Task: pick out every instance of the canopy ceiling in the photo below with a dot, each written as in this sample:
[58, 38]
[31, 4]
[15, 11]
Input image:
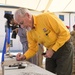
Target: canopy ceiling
[43, 5]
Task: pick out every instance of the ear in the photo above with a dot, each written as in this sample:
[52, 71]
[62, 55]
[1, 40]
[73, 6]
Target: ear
[27, 14]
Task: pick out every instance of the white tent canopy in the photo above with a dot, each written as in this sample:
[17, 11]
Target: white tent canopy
[43, 5]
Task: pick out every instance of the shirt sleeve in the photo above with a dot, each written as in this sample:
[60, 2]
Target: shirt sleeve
[32, 47]
[58, 27]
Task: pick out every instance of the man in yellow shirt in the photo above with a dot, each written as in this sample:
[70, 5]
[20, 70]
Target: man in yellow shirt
[50, 31]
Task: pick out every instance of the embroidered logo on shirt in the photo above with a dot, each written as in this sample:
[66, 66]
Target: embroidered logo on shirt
[44, 29]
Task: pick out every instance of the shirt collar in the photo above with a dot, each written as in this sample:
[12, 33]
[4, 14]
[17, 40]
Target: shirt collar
[34, 18]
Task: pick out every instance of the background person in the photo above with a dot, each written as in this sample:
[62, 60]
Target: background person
[73, 42]
[73, 36]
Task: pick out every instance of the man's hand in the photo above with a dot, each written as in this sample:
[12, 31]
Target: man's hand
[49, 53]
[20, 57]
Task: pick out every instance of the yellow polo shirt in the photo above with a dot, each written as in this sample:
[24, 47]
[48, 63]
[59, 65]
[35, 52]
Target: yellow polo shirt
[48, 30]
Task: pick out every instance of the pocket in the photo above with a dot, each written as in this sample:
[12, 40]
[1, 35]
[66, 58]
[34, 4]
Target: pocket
[52, 36]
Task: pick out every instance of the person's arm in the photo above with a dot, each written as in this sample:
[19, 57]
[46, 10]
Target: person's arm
[16, 30]
[58, 27]
[32, 46]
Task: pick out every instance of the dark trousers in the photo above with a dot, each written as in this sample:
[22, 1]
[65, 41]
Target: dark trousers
[61, 61]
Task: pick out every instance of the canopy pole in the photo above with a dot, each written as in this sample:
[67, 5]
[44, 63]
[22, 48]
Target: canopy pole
[48, 4]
